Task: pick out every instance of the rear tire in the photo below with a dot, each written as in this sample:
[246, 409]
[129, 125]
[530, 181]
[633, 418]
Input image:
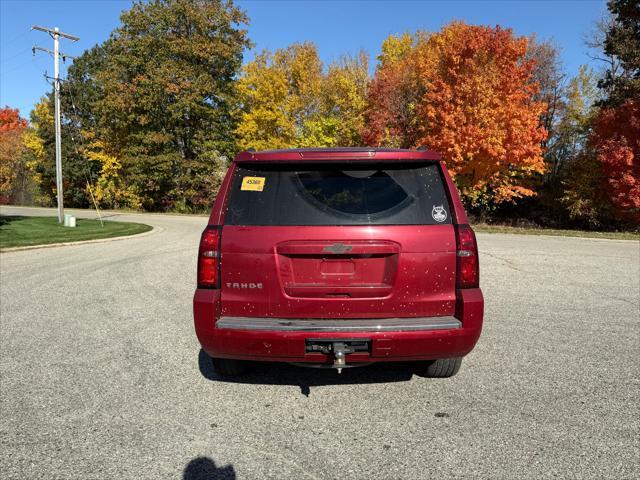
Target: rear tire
[227, 367]
[443, 368]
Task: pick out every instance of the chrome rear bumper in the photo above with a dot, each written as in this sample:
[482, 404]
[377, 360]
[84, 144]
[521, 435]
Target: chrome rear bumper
[341, 325]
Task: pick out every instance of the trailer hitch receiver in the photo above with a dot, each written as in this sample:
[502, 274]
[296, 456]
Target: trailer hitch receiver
[338, 348]
[339, 352]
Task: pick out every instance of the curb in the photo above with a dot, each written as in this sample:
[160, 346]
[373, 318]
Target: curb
[81, 242]
[112, 212]
[568, 237]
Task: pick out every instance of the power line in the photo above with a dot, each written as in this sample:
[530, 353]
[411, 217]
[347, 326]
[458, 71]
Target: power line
[18, 66]
[14, 56]
[19, 36]
[75, 122]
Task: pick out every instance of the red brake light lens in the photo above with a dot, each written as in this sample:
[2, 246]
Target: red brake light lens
[209, 258]
[467, 267]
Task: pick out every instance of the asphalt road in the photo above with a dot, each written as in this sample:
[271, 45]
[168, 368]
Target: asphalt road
[101, 375]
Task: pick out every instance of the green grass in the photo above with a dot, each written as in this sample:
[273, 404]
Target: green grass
[551, 231]
[28, 231]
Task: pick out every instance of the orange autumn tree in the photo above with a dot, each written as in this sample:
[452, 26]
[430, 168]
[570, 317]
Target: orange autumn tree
[467, 92]
[12, 128]
[10, 119]
[616, 141]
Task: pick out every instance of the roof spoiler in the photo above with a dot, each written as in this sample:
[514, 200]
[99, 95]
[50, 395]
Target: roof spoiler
[336, 155]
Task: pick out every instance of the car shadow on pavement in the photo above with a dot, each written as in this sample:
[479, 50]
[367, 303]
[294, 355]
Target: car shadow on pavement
[203, 468]
[271, 373]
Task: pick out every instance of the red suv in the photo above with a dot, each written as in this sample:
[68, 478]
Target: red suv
[338, 258]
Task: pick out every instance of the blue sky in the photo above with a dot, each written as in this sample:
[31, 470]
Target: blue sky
[336, 27]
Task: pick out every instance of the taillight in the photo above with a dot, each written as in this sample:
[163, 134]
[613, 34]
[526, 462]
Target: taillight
[209, 258]
[467, 268]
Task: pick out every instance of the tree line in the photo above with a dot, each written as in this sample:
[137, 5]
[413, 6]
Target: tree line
[152, 116]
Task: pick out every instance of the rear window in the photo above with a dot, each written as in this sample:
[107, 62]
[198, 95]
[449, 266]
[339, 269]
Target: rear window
[334, 194]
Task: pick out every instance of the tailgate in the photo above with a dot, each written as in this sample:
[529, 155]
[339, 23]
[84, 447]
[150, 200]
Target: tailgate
[338, 241]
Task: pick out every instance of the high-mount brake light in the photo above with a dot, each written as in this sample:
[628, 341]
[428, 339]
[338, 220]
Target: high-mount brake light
[467, 267]
[209, 258]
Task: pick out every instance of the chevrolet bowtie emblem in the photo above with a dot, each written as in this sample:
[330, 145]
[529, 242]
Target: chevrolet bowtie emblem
[338, 248]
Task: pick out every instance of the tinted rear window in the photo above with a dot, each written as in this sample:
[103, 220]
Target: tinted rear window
[334, 194]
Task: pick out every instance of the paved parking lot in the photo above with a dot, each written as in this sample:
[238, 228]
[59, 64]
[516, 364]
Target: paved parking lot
[102, 377]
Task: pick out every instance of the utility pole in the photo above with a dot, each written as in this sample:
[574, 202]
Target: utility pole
[56, 34]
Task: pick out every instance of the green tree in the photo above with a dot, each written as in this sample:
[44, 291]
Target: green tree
[601, 129]
[578, 174]
[622, 43]
[576, 113]
[157, 97]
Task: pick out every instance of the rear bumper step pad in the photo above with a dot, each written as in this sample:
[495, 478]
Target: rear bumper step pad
[342, 325]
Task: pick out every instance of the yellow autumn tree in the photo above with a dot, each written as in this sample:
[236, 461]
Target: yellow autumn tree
[396, 48]
[345, 97]
[108, 190]
[288, 100]
[278, 91]
[38, 159]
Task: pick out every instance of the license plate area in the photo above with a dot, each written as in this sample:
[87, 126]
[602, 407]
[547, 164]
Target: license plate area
[327, 345]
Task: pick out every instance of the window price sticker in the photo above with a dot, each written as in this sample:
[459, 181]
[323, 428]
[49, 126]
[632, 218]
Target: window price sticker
[253, 184]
